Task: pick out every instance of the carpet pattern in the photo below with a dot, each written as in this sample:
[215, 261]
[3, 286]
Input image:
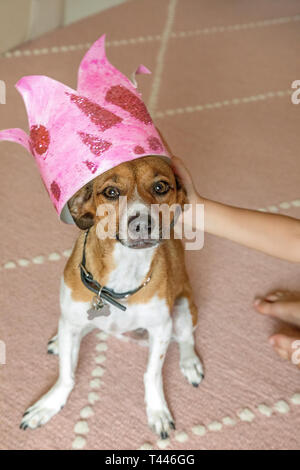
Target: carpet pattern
[220, 93]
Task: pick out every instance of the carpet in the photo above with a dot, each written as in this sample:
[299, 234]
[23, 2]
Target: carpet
[220, 93]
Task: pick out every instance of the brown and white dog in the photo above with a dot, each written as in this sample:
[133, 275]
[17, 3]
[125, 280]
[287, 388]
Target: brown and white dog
[164, 306]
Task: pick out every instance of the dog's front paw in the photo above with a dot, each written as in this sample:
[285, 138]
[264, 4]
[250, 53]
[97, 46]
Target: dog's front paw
[192, 369]
[52, 347]
[44, 409]
[161, 422]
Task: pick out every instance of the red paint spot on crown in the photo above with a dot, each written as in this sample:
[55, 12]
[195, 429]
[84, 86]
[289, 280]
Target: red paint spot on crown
[138, 149]
[125, 99]
[91, 166]
[39, 139]
[96, 145]
[154, 143]
[55, 189]
[98, 115]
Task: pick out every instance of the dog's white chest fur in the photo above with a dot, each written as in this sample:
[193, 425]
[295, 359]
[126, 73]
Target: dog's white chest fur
[132, 268]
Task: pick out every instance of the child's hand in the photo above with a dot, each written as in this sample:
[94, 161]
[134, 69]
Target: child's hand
[186, 179]
[273, 234]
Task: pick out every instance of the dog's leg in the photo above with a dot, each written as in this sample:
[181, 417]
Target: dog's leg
[53, 401]
[52, 346]
[190, 364]
[159, 416]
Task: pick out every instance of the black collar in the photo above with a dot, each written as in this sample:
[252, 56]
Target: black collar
[103, 292]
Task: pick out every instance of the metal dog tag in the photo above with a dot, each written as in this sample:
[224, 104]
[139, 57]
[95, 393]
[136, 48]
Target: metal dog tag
[98, 309]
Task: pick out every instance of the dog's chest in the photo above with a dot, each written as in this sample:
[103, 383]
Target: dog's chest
[135, 316]
[131, 269]
[143, 315]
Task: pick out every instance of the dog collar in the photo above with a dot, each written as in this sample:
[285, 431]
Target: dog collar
[103, 292]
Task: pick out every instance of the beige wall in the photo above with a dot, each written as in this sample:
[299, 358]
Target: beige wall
[21, 20]
[13, 23]
[77, 9]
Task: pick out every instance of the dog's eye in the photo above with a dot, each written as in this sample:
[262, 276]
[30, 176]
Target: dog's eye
[161, 187]
[111, 193]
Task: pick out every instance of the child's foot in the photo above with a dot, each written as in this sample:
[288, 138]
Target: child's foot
[287, 348]
[281, 304]
[286, 306]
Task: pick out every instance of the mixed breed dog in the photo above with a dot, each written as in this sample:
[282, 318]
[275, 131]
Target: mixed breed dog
[95, 146]
[147, 275]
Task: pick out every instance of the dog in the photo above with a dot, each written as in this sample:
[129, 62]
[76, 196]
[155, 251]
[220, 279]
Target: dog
[151, 271]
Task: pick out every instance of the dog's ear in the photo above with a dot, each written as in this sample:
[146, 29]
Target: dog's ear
[181, 192]
[82, 207]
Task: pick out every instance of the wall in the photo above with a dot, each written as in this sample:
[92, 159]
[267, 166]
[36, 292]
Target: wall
[22, 20]
[77, 9]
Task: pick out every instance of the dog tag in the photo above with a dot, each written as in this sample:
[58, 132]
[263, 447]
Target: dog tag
[98, 309]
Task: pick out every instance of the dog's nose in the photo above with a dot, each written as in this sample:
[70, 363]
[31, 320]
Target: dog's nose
[140, 224]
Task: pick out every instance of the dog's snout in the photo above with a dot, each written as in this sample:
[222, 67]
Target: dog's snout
[132, 218]
[140, 224]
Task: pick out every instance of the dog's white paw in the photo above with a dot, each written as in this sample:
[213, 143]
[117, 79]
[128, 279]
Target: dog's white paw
[192, 370]
[161, 422]
[52, 347]
[44, 409]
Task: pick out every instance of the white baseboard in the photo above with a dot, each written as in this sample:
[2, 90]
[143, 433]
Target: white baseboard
[45, 16]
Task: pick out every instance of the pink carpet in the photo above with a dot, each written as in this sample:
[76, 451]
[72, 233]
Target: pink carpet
[219, 92]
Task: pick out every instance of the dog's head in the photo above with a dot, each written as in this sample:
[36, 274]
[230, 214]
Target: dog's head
[145, 182]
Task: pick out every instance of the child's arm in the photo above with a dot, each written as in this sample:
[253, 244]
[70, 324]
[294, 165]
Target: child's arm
[275, 235]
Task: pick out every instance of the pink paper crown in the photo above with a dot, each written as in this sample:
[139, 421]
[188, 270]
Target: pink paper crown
[78, 135]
